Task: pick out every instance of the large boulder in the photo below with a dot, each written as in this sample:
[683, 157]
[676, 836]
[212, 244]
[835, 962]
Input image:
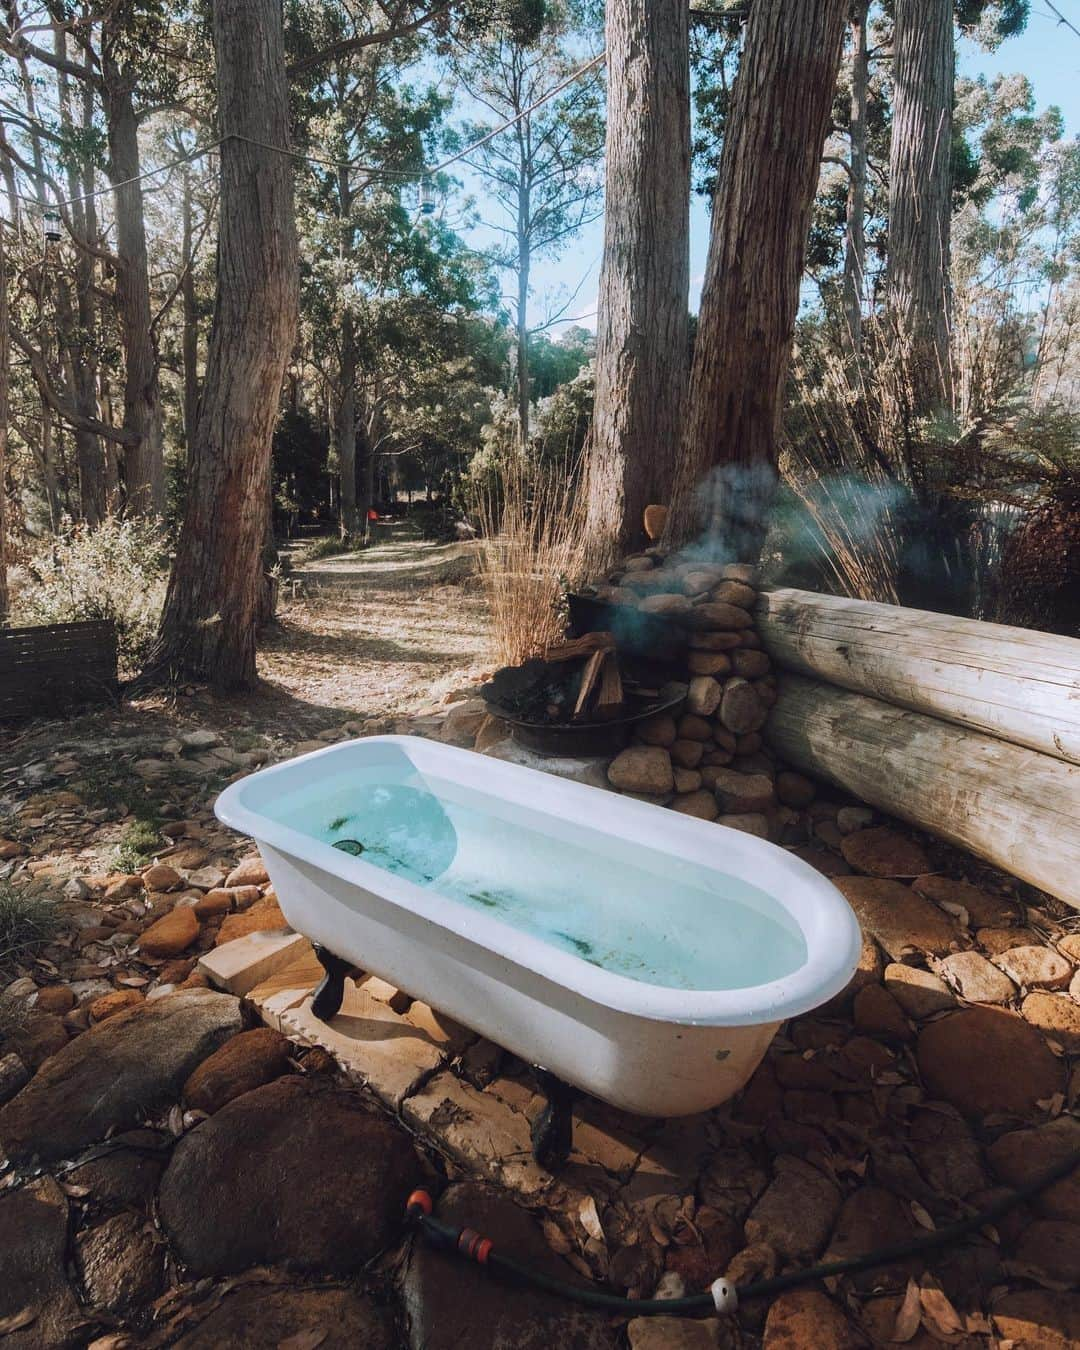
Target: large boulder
[298, 1173]
[257, 1316]
[115, 1072]
[450, 1304]
[986, 1060]
[36, 1303]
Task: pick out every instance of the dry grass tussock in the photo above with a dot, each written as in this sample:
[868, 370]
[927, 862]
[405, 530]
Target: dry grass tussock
[534, 550]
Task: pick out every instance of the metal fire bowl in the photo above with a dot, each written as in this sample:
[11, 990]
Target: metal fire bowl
[582, 738]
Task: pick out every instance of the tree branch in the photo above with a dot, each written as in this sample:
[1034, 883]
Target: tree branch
[58, 403]
[347, 46]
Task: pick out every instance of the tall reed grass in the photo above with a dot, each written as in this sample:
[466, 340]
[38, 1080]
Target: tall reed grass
[533, 550]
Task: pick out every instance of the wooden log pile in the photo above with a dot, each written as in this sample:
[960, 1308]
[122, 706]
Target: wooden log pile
[970, 730]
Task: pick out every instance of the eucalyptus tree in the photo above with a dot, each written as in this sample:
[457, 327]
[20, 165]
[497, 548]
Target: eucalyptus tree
[779, 117]
[541, 171]
[642, 352]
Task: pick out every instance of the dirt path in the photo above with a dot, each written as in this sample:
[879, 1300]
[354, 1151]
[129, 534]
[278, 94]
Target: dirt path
[385, 630]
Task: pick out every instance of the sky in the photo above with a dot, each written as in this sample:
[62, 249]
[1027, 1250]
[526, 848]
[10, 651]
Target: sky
[1047, 52]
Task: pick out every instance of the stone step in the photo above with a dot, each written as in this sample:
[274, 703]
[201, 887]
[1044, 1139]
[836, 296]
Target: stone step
[240, 965]
[371, 1042]
[285, 989]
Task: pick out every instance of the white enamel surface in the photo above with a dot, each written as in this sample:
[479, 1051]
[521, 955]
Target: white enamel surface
[644, 1047]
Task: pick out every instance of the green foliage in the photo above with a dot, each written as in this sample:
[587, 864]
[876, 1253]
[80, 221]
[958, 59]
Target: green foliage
[139, 842]
[114, 572]
[27, 921]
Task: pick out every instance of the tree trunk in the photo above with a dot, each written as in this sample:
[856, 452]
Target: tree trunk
[345, 429]
[1010, 805]
[524, 261]
[189, 342]
[855, 249]
[208, 627]
[761, 213]
[920, 202]
[642, 331]
[5, 368]
[143, 463]
[1013, 683]
[80, 337]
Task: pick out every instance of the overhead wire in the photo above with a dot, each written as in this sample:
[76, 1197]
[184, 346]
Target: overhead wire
[408, 175]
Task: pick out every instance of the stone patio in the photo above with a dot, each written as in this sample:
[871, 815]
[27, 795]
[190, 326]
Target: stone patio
[194, 1166]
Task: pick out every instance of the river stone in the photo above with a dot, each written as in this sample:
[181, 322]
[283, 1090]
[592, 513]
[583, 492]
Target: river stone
[882, 852]
[719, 614]
[14, 1076]
[703, 695]
[708, 663]
[1036, 1319]
[127, 1176]
[108, 1005]
[1035, 967]
[795, 1214]
[743, 793]
[171, 934]
[241, 1064]
[257, 1316]
[121, 1264]
[56, 998]
[1022, 1155]
[1058, 1018]
[642, 768]
[33, 1242]
[984, 910]
[998, 940]
[740, 708]
[107, 1077]
[919, 992]
[701, 804]
[976, 979]
[248, 872]
[450, 1304]
[673, 1333]
[658, 730]
[298, 1173]
[987, 1060]
[161, 877]
[801, 1318]
[900, 920]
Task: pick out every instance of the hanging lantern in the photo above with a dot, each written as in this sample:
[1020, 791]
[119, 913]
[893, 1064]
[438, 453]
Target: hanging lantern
[428, 197]
[50, 227]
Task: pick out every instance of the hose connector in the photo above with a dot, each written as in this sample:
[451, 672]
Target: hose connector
[725, 1296]
[419, 1204]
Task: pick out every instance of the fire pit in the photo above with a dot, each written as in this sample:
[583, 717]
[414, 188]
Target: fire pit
[575, 700]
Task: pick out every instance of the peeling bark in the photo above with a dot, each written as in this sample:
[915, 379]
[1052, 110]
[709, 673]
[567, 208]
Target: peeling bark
[765, 186]
[213, 602]
[642, 354]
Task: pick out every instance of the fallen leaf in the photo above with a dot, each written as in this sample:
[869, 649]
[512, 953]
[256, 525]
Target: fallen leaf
[17, 1320]
[590, 1219]
[921, 1216]
[938, 1313]
[908, 1315]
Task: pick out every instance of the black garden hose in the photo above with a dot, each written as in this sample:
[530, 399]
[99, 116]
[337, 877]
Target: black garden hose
[723, 1297]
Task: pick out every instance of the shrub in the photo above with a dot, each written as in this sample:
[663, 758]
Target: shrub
[26, 921]
[116, 571]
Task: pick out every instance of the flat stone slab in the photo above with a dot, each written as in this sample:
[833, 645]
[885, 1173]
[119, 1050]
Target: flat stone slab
[259, 1315]
[372, 1043]
[299, 1173]
[478, 1129]
[240, 965]
[111, 1075]
[450, 1303]
[285, 988]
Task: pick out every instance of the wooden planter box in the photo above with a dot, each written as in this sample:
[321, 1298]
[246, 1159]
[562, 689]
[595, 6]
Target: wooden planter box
[50, 669]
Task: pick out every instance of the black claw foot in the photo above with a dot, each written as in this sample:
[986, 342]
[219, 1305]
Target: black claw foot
[330, 991]
[553, 1129]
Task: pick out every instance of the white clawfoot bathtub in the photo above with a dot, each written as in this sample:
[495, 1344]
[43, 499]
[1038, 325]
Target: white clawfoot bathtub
[639, 954]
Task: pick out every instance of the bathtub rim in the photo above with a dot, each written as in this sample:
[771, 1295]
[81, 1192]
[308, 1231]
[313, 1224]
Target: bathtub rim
[823, 916]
